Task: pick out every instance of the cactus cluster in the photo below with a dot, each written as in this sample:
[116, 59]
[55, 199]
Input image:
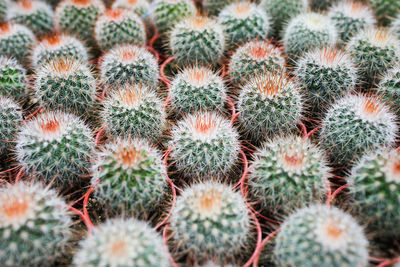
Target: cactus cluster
[16, 41]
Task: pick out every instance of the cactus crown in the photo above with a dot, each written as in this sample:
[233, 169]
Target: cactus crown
[355, 10]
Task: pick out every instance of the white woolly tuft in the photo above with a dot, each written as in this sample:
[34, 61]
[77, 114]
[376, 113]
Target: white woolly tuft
[14, 29]
[260, 51]
[199, 76]
[132, 4]
[379, 37]
[27, 7]
[355, 10]
[8, 103]
[11, 62]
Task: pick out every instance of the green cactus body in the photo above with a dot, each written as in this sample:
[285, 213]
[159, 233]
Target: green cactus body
[288, 173]
[268, 105]
[354, 125]
[243, 22]
[16, 41]
[321, 236]
[131, 174]
[129, 65]
[122, 242]
[10, 121]
[385, 10]
[308, 31]
[197, 88]
[214, 7]
[321, 5]
[167, 13]
[389, 88]
[57, 47]
[197, 40]
[140, 7]
[55, 146]
[134, 111]
[118, 27]
[13, 78]
[34, 14]
[374, 51]
[350, 18]
[34, 227]
[204, 144]
[253, 59]
[210, 221]
[4, 4]
[395, 26]
[326, 74]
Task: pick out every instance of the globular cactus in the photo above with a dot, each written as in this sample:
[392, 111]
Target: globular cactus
[281, 11]
[356, 124]
[35, 225]
[268, 105]
[10, 121]
[254, 58]
[243, 22]
[209, 221]
[55, 146]
[374, 51]
[78, 18]
[129, 176]
[118, 27]
[321, 236]
[4, 4]
[197, 40]
[136, 111]
[385, 10]
[13, 78]
[56, 47]
[374, 186]
[167, 13]
[395, 26]
[34, 14]
[287, 173]
[129, 64]
[213, 7]
[197, 88]
[351, 17]
[321, 5]
[389, 88]
[16, 41]
[308, 31]
[140, 7]
[68, 85]
[326, 74]
[204, 144]
[122, 242]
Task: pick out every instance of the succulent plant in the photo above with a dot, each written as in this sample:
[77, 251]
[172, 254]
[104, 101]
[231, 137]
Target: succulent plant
[385, 10]
[389, 88]
[140, 7]
[13, 78]
[10, 121]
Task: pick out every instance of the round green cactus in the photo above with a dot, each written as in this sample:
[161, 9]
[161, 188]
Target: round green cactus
[140, 7]
[287, 173]
[10, 121]
[253, 59]
[213, 7]
[243, 22]
[321, 236]
[197, 88]
[210, 221]
[13, 78]
[55, 146]
[197, 40]
[354, 125]
[134, 111]
[35, 225]
[389, 88]
[385, 10]
[129, 176]
[122, 242]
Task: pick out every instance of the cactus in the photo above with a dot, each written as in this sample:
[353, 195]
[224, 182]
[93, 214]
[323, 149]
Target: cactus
[281, 11]
[16, 41]
[326, 74]
[321, 236]
[204, 144]
[351, 17]
[78, 18]
[389, 88]
[132, 176]
[197, 40]
[210, 221]
[308, 31]
[34, 14]
[243, 22]
[119, 26]
[197, 88]
[122, 242]
[136, 111]
[56, 47]
[253, 59]
[167, 13]
[385, 10]
[34, 226]
[374, 51]
[129, 64]
[287, 173]
[395, 26]
[214, 7]
[374, 183]
[10, 121]
[4, 4]
[321, 5]
[13, 78]
[354, 125]
[55, 145]
[269, 104]
[140, 7]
